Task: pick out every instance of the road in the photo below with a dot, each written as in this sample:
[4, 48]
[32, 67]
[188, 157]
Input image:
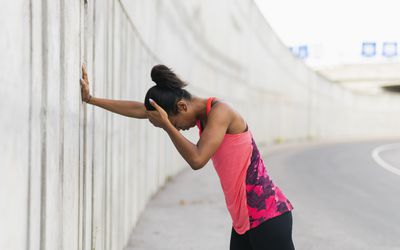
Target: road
[343, 199]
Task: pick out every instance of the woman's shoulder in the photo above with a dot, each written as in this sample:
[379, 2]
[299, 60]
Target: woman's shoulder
[237, 123]
[221, 106]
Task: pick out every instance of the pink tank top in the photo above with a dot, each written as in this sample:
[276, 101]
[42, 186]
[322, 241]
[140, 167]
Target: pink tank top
[250, 195]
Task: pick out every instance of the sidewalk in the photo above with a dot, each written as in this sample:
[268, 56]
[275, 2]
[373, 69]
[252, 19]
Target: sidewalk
[189, 212]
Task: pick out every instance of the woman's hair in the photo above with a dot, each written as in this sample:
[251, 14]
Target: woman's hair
[168, 90]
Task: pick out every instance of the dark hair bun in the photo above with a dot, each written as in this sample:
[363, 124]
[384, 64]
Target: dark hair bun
[164, 77]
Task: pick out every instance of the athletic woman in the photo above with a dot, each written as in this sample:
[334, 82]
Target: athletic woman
[261, 214]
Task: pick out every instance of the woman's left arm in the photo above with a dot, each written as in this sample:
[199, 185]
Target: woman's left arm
[198, 155]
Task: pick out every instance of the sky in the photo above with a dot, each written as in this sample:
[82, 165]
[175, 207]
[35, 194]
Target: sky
[336, 27]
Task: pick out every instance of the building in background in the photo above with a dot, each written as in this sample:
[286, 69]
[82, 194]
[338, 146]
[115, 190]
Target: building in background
[353, 43]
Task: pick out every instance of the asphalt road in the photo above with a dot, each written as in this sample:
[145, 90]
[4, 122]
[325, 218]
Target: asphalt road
[344, 198]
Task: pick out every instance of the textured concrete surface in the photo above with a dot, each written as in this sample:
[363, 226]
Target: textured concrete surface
[343, 201]
[74, 176]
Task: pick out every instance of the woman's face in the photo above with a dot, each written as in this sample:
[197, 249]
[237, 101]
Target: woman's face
[186, 118]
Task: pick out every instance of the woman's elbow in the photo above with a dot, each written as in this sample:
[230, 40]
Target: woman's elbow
[196, 165]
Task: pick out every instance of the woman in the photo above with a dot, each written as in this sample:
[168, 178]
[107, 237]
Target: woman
[260, 212]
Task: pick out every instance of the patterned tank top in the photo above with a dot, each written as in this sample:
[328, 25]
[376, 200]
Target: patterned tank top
[250, 195]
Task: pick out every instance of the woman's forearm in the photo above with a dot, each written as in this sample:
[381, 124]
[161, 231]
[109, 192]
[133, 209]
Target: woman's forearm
[127, 108]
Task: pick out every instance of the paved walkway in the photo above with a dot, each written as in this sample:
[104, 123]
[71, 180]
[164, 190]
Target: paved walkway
[337, 190]
[188, 213]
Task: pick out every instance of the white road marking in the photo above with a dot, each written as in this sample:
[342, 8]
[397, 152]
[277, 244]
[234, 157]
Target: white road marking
[375, 155]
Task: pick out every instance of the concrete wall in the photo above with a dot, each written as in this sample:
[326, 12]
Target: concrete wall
[74, 176]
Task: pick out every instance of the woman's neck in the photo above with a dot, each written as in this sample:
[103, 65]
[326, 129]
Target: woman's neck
[200, 108]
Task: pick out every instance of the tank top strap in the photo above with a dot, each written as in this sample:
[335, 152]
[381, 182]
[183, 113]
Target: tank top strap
[208, 109]
[209, 101]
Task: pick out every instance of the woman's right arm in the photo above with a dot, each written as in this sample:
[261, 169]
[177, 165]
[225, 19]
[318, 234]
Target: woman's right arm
[127, 108]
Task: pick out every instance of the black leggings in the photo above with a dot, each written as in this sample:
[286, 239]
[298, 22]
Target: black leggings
[272, 234]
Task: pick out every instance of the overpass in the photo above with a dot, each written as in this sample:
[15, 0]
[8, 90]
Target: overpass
[366, 78]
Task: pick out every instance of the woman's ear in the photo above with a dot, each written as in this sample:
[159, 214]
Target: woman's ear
[182, 106]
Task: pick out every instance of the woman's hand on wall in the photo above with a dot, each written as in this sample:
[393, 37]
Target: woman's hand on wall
[85, 93]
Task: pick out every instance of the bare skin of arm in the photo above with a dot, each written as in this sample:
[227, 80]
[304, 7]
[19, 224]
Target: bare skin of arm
[127, 108]
[132, 109]
[196, 155]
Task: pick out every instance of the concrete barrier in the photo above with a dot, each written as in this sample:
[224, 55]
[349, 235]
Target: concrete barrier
[74, 176]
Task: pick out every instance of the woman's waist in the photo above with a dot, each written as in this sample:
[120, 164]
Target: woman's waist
[233, 148]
